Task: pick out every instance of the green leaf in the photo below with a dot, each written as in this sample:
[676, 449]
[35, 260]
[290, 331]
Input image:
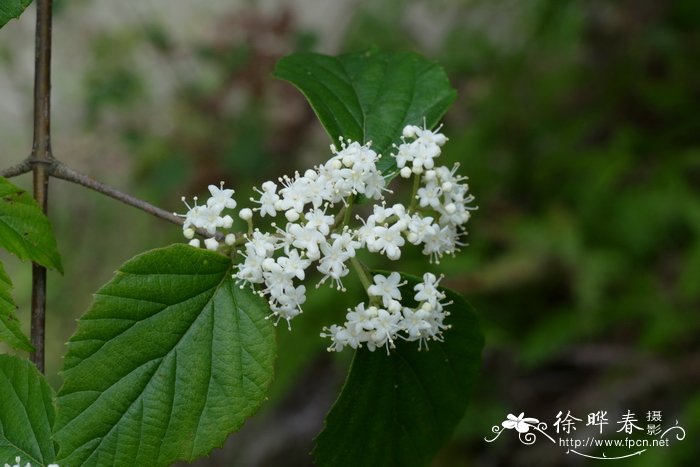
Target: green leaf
[10, 330]
[399, 409]
[26, 413]
[370, 96]
[24, 229]
[171, 358]
[10, 9]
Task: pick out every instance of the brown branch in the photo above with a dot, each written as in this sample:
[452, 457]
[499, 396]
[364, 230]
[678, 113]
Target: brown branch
[40, 159]
[62, 171]
[18, 169]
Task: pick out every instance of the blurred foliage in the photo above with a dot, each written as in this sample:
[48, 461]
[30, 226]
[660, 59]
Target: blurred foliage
[577, 123]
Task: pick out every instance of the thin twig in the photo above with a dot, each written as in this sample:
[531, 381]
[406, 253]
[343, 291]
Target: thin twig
[18, 169]
[40, 159]
[62, 171]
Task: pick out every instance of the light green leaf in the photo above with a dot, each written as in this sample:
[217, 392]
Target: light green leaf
[10, 330]
[370, 96]
[24, 229]
[171, 358]
[399, 409]
[26, 413]
[10, 9]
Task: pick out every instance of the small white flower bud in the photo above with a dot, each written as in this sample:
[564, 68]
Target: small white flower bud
[268, 185]
[417, 170]
[188, 233]
[336, 164]
[227, 222]
[429, 175]
[409, 131]
[292, 215]
[406, 172]
[194, 242]
[412, 237]
[211, 244]
[394, 306]
[311, 174]
[245, 214]
[426, 307]
[450, 208]
[447, 186]
[230, 239]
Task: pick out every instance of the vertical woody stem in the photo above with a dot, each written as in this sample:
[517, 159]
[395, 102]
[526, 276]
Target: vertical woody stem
[41, 159]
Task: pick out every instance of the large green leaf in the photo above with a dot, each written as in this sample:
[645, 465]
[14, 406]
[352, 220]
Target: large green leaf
[370, 96]
[398, 409]
[24, 230]
[26, 413]
[171, 358]
[10, 330]
[10, 9]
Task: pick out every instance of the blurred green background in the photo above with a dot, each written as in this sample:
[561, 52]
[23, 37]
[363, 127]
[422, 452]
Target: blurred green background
[577, 123]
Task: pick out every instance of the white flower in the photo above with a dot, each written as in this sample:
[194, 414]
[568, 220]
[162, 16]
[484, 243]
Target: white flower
[332, 264]
[221, 198]
[420, 227]
[429, 195]
[359, 319]
[375, 186]
[306, 238]
[340, 337]
[389, 240]
[427, 291]
[420, 152]
[386, 288]
[415, 323]
[263, 244]
[268, 199]
[317, 219]
[385, 325]
[293, 264]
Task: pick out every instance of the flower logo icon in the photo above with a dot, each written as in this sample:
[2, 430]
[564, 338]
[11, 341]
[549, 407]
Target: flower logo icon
[520, 423]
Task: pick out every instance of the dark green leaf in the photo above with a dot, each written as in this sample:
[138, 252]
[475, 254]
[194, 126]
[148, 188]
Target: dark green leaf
[10, 330]
[24, 230]
[26, 413]
[10, 9]
[399, 409]
[370, 96]
[171, 358]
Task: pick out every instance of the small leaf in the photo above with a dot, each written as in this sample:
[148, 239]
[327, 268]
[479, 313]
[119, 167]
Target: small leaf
[24, 229]
[399, 409]
[10, 9]
[26, 413]
[370, 96]
[171, 358]
[10, 330]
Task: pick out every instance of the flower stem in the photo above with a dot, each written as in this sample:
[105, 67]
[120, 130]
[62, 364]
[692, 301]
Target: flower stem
[414, 192]
[348, 211]
[362, 273]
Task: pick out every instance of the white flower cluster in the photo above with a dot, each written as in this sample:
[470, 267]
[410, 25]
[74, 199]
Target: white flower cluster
[318, 206]
[18, 463]
[380, 324]
[208, 217]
